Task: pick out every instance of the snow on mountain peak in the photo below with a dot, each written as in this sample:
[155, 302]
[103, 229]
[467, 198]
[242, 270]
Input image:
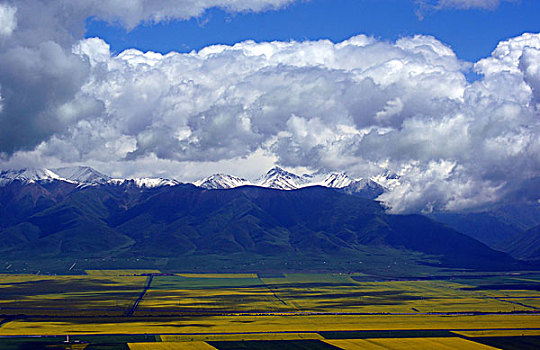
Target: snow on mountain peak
[281, 179]
[221, 181]
[389, 180]
[82, 174]
[28, 175]
[144, 182]
[276, 178]
[337, 180]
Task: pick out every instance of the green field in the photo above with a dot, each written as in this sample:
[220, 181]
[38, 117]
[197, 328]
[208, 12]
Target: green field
[145, 309]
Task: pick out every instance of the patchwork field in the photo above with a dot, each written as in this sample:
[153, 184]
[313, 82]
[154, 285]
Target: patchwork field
[68, 295]
[145, 309]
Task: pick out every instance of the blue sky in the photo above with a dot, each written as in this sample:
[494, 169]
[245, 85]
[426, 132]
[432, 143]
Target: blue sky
[471, 33]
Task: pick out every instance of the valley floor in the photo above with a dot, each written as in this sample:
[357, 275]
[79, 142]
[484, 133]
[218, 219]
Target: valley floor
[145, 309]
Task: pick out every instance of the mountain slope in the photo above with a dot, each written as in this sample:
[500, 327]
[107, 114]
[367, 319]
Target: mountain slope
[365, 188]
[495, 226]
[79, 224]
[524, 246]
[185, 222]
[483, 226]
[20, 199]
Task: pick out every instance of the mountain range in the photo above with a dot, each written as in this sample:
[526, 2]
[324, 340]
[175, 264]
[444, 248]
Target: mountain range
[80, 175]
[276, 178]
[286, 221]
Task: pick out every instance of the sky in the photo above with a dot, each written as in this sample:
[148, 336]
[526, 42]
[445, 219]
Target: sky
[473, 34]
[443, 93]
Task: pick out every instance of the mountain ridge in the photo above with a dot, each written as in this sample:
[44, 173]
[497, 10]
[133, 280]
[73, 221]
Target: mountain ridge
[276, 178]
[241, 225]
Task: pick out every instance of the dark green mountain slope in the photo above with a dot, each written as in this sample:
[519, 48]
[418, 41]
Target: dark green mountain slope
[497, 225]
[525, 246]
[484, 226]
[185, 222]
[20, 200]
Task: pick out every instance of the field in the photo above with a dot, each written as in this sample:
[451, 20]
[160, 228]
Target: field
[68, 295]
[145, 309]
[408, 343]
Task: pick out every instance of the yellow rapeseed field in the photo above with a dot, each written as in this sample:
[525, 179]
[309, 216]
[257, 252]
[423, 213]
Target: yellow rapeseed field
[197, 345]
[272, 324]
[227, 299]
[127, 272]
[253, 308]
[77, 295]
[531, 302]
[239, 337]
[408, 344]
[313, 293]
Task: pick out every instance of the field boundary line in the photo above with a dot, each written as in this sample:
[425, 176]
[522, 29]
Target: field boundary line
[131, 311]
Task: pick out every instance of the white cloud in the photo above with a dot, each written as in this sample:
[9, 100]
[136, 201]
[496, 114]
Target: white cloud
[41, 71]
[506, 57]
[461, 4]
[529, 64]
[362, 105]
[8, 19]
[338, 106]
[466, 4]
[133, 12]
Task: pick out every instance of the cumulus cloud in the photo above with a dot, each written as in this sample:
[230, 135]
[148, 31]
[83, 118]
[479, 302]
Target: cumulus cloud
[228, 101]
[41, 77]
[361, 105]
[8, 19]
[529, 64]
[364, 106]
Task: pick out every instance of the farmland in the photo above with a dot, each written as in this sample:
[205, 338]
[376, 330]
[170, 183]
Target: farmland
[68, 295]
[145, 309]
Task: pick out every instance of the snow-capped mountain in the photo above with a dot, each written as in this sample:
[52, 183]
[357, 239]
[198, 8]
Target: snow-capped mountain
[388, 180]
[144, 182]
[81, 174]
[282, 180]
[366, 188]
[29, 175]
[276, 178]
[337, 180]
[221, 181]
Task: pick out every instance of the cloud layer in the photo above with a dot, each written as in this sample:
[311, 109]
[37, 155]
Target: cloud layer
[41, 78]
[461, 4]
[363, 105]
